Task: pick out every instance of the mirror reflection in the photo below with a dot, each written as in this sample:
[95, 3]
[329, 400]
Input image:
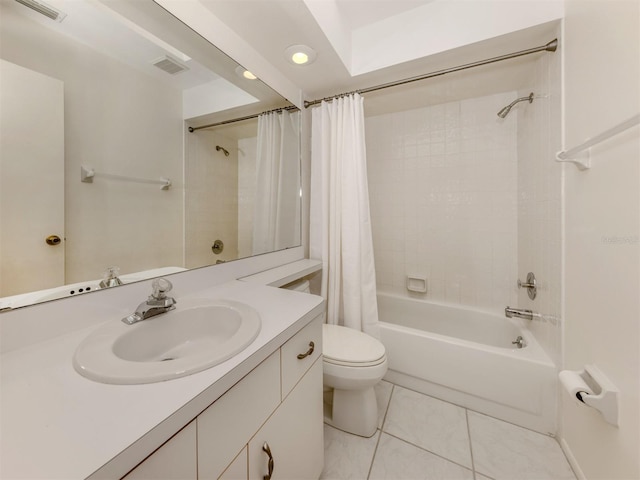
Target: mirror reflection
[98, 168]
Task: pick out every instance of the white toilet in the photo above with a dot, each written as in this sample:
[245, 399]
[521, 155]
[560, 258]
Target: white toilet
[353, 363]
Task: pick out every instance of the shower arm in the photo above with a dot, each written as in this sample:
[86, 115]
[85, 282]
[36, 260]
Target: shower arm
[522, 99]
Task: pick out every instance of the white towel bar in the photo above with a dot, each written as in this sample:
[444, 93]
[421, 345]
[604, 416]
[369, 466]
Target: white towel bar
[580, 154]
[87, 174]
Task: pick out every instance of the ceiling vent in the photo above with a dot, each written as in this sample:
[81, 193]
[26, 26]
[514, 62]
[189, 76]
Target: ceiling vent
[44, 9]
[170, 65]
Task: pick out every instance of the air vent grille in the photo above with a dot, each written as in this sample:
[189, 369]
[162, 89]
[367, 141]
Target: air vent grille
[44, 9]
[170, 65]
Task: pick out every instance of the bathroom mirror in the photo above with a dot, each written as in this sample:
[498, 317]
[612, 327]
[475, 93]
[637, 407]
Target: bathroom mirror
[98, 167]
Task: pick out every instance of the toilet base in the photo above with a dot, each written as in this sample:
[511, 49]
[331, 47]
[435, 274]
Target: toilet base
[353, 411]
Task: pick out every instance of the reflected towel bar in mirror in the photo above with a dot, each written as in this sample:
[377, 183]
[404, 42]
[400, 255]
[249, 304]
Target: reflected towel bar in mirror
[87, 174]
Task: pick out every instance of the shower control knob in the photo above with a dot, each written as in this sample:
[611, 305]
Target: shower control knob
[530, 285]
[217, 247]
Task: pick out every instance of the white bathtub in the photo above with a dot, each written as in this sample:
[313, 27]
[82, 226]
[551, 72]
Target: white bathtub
[465, 356]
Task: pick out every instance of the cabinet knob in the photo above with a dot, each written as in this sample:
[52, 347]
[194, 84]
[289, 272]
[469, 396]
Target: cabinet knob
[271, 464]
[308, 352]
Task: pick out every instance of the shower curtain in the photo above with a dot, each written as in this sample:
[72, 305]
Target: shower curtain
[340, 226]
[276, 220]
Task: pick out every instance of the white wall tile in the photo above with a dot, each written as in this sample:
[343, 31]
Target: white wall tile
[449, 186]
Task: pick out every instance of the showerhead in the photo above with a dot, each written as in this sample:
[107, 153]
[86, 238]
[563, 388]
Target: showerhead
[505, 111]
[224, 150]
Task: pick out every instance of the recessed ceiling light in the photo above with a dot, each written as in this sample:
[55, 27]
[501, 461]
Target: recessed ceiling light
[300, 54]
[244, 73]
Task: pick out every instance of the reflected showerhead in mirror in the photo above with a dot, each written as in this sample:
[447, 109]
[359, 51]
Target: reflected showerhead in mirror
[505, 111]
[224, 150]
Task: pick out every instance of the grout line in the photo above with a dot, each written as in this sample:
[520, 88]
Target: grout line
[428, 451]
[473, 465]
[550, 435]
[375, 450]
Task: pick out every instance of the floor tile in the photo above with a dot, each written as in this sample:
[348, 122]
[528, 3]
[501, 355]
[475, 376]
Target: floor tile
[396, 460]
[429, 423]
[347, 456]
[505, 451]
[383, 395]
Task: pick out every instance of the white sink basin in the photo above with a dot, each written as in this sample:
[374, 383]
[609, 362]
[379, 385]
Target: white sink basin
[195, 336]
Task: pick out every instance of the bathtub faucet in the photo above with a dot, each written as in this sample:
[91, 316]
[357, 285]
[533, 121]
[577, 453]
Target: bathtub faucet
[516, 312]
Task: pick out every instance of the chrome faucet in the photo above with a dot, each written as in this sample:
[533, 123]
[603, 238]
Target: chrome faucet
[516, 312]
[157, 303]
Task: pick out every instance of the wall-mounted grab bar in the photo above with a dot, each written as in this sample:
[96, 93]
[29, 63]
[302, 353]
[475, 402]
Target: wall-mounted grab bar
[580, 154]
[87, 174]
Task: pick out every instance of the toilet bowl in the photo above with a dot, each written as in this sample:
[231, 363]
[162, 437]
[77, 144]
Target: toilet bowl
[353, 363]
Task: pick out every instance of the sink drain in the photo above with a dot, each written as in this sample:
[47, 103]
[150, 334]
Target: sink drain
[167, 359]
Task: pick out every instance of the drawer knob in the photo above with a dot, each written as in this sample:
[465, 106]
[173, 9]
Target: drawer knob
[267, 450]
[308, 352]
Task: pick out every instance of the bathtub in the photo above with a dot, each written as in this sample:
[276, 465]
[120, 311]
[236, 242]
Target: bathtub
[465, 356]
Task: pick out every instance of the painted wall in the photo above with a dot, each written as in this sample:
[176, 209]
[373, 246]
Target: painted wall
[118, 121]
[539, 201]
[602, 217]
[443, 189]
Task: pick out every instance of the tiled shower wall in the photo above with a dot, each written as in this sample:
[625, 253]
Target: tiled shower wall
[211, 198]
[443, 185]
[539, 201]
[247, 154]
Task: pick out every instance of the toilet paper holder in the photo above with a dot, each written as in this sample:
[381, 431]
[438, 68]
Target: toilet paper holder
[591, 387]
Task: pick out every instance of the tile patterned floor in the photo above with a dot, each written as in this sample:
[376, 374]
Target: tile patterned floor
[421, 437]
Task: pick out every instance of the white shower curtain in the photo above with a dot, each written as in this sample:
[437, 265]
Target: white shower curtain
[276, 220]
[340, 226]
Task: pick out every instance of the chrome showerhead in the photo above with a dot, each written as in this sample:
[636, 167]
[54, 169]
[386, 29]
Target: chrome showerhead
[505, 111]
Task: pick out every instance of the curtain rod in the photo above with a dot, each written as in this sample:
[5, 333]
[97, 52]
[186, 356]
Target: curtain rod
[240, 119]
[549, 47]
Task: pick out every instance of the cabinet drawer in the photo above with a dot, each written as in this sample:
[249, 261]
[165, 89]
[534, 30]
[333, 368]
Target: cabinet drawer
[224, 427]
[296, 359]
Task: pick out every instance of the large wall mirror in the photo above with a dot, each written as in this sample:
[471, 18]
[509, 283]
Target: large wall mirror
[106, 159]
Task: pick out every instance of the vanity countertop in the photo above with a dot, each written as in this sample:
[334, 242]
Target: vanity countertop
[58, 424]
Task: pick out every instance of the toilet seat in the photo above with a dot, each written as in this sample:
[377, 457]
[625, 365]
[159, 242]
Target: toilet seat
[351, 348]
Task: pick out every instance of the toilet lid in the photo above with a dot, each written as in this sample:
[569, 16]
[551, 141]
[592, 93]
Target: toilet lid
[342, 345]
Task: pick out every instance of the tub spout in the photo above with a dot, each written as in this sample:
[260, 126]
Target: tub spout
[516, 312]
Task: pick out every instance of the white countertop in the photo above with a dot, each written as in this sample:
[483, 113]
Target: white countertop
[57, 424]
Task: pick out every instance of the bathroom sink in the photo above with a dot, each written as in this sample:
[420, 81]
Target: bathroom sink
[195, 336]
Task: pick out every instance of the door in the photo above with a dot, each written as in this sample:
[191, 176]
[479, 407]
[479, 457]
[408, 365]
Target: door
[31, 180]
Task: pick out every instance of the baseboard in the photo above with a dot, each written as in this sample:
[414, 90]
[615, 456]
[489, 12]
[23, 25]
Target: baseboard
[572, 460]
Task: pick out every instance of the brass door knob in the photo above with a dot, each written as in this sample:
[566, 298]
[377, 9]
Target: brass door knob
[53, 240]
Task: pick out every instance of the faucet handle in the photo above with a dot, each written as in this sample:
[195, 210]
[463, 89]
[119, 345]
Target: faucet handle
[160, 287]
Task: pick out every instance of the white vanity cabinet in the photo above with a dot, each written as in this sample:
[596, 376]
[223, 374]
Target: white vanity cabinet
[292, 435]
[278, 403]
[174, 460]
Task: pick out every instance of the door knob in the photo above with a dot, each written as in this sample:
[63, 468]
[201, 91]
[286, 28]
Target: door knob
[53, 240]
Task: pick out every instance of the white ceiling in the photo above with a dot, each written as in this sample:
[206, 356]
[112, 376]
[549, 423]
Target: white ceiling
[359, 13]
[270, 26]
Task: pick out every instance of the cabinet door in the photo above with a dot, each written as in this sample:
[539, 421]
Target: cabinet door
[238, 470]
[175, 460]
[294, 434]
[224, 427]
